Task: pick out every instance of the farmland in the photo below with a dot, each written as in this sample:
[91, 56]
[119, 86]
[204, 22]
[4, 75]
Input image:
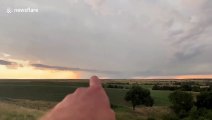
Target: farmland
[28, 100]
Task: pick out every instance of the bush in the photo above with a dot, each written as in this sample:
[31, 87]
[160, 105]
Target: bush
[204, 100]
[182, 103]
[186, 87]
[148, 101]
[200, 114]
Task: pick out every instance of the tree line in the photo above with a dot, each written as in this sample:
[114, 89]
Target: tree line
[183, 87]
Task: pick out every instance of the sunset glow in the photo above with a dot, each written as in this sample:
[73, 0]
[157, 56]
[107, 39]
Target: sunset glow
[31, 73]
[12, 68]
[23, 70]
[194, 77]
[28, 72]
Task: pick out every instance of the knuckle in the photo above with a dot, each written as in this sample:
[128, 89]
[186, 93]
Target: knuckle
[79, 90]
[97, 88]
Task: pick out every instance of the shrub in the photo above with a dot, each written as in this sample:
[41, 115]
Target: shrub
[204, 100]
[182, 103]
[186, 87]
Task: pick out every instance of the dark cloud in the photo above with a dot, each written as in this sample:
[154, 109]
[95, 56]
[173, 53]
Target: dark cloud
[42, 66]
[9, 64]
[4, 62]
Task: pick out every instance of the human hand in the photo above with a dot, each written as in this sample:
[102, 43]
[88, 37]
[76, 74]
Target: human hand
[89, 103]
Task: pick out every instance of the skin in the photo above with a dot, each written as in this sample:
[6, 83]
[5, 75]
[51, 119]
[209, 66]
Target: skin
[89, 103]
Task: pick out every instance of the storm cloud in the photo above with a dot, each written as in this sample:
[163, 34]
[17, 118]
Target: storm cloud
[114, 38]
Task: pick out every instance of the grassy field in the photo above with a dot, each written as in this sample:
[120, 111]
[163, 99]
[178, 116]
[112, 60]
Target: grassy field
[14, 111]
[20, 109]
[29, 100]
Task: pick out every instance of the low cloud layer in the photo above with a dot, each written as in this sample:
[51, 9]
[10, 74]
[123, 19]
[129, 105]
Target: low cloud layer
[3, 62]
[59, 68]
[114, 38]
[42, 66]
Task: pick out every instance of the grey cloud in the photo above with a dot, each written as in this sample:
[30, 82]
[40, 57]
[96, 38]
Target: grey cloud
[186, 42]
[9, 64]
[136, 39]
[190, 53]
[73, 69]
[4, 62]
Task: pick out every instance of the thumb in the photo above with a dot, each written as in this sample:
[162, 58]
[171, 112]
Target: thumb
[95, 82]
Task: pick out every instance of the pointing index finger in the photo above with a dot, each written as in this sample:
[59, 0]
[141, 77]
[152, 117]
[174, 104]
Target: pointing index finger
[95, 82]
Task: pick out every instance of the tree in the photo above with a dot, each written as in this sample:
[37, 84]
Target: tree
[186, 87]
[182, 102]
[139, 96]
[204, 100]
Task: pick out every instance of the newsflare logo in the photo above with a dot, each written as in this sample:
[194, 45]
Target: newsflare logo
[21, 10]
[9, 10]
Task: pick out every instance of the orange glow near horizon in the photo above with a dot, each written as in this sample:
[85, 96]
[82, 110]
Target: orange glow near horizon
[28, 72]
[194, 77]
[23, 70]
[177, 77]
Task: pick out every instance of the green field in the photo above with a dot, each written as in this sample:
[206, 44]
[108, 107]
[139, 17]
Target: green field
[32, 95]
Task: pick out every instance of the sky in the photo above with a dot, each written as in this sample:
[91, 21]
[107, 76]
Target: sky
[75, 39]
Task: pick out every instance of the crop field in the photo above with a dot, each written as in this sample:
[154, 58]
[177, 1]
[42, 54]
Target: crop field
[28, 100]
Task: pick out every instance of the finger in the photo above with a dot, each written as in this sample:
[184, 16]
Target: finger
[65, 100]
[80, 90]
[95, 82]
[67, 97]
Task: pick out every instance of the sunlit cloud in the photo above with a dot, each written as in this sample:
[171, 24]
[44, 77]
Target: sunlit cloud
[21, 69]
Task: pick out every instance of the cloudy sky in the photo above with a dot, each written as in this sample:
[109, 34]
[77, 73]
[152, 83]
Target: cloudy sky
[109, 38]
